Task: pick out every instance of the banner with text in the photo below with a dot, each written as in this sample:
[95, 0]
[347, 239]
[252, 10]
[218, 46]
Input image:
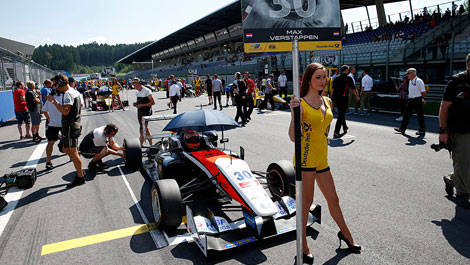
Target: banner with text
[271, 25]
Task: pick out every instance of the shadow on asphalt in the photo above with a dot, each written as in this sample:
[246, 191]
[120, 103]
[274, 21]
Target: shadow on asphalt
[385, 119]
[17, 144]
[340, 254]
[457, 230]
[340, 142]
[42, 160]
[415, 140]
[41, 193]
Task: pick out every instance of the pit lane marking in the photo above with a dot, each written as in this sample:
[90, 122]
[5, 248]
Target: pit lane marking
[156, 235]
[97, 238]
[14, 194]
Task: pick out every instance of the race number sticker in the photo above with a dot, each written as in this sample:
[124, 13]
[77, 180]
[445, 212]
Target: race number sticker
[289, 203]
[222, 224]
[281, 212]
[204, 225]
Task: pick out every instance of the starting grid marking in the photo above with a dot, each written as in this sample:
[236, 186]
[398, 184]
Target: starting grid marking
[160, 238]
[14, 194]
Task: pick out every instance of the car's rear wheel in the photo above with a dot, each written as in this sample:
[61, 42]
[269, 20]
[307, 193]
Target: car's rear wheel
[167, 205]
[281, 179]
[133, 153]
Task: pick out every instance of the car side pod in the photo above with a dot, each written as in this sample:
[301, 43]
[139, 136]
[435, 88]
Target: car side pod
[216, 234]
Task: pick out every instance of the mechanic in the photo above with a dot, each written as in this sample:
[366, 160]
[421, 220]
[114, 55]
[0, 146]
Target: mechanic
[71, 123]
[282, 82]
[341, 87]
[268, 94]
[99, 143]
[116, 87]
[216, 91]
[316, 116]
[239, 90]
[208, 86]
[54, 121]
[249, 104]
[454, 121]
[144, 105]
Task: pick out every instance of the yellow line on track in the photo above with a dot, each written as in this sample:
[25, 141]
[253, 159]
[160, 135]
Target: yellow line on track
[95, 239]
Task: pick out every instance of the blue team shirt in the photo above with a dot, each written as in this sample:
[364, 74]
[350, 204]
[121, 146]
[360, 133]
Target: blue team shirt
[45, 91]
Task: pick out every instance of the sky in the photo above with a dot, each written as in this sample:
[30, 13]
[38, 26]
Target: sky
[39, 22]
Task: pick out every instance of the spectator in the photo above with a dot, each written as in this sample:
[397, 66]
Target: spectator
[248, 108]
[341, 87]
[175, 95]
[403, 91]
[71, 124]
[454, 122]
[366, 91]
[461, 10]
[416, 92]
[216, 91]
[352, 100]
[144, 105]
[45, 90]
[282, 81]
[33, 101]
[54, 121]
[208, 86]
[268, 94]
[239, 90]
[21, 110]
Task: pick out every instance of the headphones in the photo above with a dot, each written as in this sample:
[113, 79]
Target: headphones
[61, 82]
[110, 128]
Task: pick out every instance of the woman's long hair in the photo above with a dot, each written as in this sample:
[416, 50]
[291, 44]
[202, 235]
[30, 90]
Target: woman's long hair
[308, 73]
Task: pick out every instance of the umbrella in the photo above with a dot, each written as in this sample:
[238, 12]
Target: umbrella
[202, 118]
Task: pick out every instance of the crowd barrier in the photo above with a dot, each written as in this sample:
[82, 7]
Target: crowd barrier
[7, 109]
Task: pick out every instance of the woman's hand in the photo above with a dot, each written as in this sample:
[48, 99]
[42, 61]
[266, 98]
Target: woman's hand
[294, 103]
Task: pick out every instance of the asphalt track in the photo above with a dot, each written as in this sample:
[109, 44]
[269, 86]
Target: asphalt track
[390, 189]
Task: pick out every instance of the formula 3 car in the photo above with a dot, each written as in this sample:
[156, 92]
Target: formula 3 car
[210, 195]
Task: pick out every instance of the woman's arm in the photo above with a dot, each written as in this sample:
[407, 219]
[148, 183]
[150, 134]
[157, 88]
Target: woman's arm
[295, 102]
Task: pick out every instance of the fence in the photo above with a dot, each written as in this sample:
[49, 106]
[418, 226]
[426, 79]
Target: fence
[17, 68]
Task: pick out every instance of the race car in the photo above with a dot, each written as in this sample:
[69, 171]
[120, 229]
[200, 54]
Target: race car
[279, 101]
[209, 194]
[104, 100]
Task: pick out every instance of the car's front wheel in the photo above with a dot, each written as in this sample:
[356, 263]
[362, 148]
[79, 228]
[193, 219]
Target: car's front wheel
[167, 205]
[281, 179]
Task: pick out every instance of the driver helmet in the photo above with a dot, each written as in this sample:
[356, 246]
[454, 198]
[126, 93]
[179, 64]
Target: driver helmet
[192, 139]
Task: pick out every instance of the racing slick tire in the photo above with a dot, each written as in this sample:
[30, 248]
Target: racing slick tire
[281, 179]
[132, 153]
[167, 205]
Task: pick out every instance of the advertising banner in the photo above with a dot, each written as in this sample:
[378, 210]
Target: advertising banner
[271, 25]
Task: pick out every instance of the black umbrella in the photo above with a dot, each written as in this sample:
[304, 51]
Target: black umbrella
[202, 119]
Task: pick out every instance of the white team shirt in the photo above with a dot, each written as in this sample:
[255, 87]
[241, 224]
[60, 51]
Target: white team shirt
[415, 88]
[99, 139]
[145, 92]
[367, 83]
[70, 95]
[282, 80]
[54, 115]
[352, 76]
[175, 90]
[216, 85]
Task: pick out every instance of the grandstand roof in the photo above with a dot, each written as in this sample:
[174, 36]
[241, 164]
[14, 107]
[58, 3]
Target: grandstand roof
[17, 47]
[222, 18]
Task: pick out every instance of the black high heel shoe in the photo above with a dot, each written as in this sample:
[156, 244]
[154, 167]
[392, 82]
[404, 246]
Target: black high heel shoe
[351, 247]
[307, 259]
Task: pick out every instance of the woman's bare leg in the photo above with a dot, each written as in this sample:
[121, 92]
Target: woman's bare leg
[327, 187]
[308, 185]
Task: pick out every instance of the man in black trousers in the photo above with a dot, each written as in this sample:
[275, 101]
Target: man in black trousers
[341, 89]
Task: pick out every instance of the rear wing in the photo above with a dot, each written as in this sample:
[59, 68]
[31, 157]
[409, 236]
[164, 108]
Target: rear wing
[146, 119]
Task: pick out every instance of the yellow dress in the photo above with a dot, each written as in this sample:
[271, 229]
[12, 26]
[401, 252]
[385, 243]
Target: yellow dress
[314, 137]
[115, 89]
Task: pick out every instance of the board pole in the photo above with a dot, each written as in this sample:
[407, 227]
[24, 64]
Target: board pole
[298, 153]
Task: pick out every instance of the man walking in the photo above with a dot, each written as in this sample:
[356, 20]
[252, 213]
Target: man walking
[216, 91]
[366, 91]
[268, 94]
[239, 91]
[282, 81]
[352, 100]
[416, 93]
[144, 105]
[21, 110]
[71, 124]
[341, 89]
[454, 121]
[175, 95]
[249, 104]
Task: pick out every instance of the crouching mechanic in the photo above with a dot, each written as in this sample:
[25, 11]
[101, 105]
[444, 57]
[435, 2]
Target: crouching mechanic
[98, 144]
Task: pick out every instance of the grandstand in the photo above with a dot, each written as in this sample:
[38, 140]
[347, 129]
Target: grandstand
[430, 39]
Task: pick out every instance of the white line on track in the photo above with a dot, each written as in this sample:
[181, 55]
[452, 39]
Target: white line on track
[156, 235]
[14, 194]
